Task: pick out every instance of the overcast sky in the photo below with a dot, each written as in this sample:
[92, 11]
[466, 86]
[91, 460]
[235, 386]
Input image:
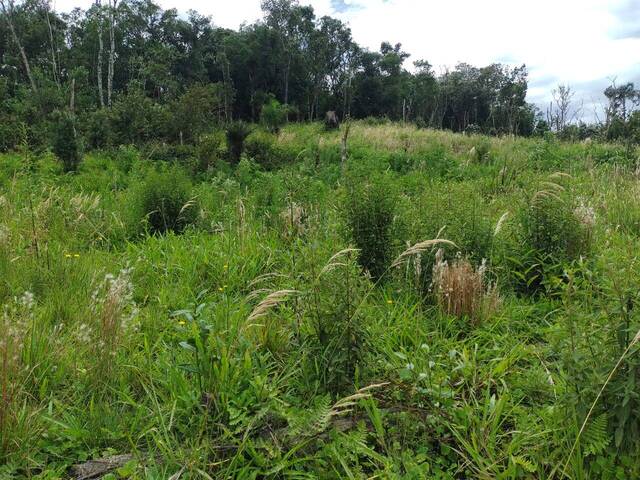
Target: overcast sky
[584, 43]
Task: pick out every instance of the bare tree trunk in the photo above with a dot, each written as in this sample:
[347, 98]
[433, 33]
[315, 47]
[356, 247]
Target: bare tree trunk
[100, 53]
[112, 50]
[345, 137]
[286, 81]
[72, 99]
[8, 13]
[54, 64]
[226, 82]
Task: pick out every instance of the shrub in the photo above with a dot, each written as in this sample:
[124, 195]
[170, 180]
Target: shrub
[273, 115]
[421, 123]
[369, 210]
[98, 128]
[552, 228]
[457, 215]
[260, 147]
[66, 144]
[237, 132]
[401, 162]
[208, 149]
[164, 201]
[481, 151]
[336, 337]
[195, 111]
[554, 231]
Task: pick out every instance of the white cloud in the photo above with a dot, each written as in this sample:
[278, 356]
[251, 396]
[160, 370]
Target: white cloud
[568, 41]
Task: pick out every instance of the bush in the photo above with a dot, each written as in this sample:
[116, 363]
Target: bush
[164, 202]
[554, 232]
[273, 115]
[237, 132]
[456, 214]
[481, 151]
[421, 123]
[369, 210]
[259, 146]
[263, 148]
[208, 149]
[97, 128]
[401, 162]
[195, 111]
[66, 144]
[552, 228]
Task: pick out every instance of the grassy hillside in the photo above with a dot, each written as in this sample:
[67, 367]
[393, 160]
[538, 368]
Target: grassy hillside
[290, 318]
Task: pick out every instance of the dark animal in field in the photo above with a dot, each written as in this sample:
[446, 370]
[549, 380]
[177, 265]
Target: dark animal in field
[331, 120]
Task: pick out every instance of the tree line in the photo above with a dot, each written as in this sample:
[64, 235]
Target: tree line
[128, 71]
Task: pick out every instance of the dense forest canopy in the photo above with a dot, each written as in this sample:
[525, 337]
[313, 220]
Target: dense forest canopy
[133, 72]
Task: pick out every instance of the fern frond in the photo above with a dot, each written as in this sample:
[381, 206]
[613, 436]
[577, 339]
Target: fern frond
[595, 437]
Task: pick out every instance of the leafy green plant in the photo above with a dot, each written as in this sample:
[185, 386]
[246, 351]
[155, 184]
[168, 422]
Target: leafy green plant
[273, 115]
[369, 209]
[236, 133]
[66, 142]
[163, 201]
[209, 149]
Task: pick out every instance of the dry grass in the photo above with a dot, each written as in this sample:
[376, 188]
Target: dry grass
[294, 219]
[462, 290]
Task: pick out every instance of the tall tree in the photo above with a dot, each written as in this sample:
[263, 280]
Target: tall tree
[8, 13]
[99, 59]
[113, 4]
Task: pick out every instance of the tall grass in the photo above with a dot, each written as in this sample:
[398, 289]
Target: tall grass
[287, 318]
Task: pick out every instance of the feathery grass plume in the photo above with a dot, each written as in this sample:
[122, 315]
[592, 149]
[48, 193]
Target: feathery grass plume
[501, 221]
[334, 261]
[419, 248]
[585, 213]
[263, 278]
[555, 175]
[113, 305]
[322, 417]
[294, 219]
[269, 302]
[461, 290]
[344, 405]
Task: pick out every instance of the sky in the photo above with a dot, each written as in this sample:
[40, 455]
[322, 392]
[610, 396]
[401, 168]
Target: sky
[583, 43]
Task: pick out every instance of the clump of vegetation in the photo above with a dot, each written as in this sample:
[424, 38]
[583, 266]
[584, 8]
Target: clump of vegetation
[237, 133]
[463, 290]
[481, 151]
[555, 232]
[369, 209]
[66, 143]
[263, 328]
[273, 115]
[164, 201]
[260, 147]
[209, 149]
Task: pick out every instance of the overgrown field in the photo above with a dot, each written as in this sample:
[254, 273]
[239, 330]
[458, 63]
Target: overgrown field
[439, 306]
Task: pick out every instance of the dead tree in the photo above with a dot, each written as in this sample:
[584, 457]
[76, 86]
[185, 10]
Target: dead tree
[7, 10]
[559, 112]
